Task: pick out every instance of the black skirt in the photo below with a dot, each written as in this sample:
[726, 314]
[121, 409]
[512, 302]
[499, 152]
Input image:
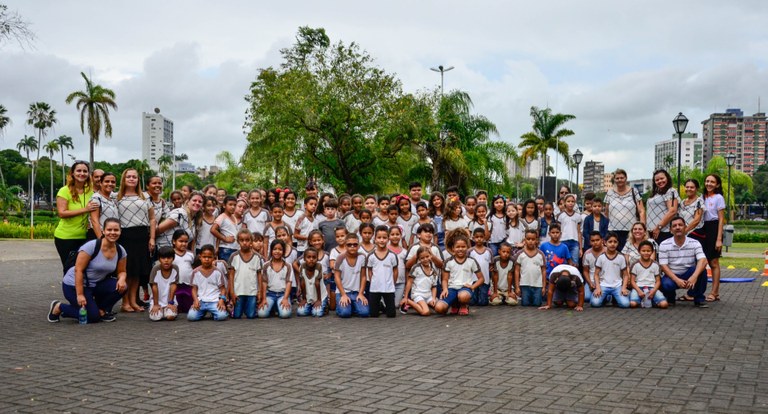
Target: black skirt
[135, 241]
[710, 239]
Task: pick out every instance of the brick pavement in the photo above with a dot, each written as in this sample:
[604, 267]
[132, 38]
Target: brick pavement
[495, 360]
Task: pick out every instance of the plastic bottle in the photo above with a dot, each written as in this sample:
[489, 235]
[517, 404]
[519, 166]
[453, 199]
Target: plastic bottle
[646, 303]
[83, 316]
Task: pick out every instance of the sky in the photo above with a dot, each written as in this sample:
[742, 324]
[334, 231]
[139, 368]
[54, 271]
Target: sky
[624, 69]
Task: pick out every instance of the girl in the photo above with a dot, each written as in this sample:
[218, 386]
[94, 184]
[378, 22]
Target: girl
[481, 221]
[209, 217]
[498, 223]
[484, 258]
[137, 221]
[366, 235]
[209, 290]
[73, 207]
[631, 249]
[177, 199]
[421, 287]
[162, 279]
[570, 223]
[661, 206]
[186, 190]
[366, 216]
[290, 213]
[457, 276]
[714, 219]
[370, 203]
[269, 228]
[183, 260]
[352, 218]
[272, 198]
[645, 278]
[290, 255]
[530, 218]
[547, 218]
[276, 283]
[454, 219]
[187, 218]
[328, 288]
[436, 207]
[469, 205]
[257, 217]
[381, 269]
[611, 278]
[209, 190]
[155, 195]
[107, 206]
[310, 285]
[515, 229]
[345, 205]
[225, 229]
[407, 219]
[423, 212]
[395, 246]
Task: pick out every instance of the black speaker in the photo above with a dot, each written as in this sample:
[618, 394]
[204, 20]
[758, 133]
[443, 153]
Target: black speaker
[549, 189]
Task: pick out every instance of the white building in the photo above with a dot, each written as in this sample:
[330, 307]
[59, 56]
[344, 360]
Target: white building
[156, 138]
[665, 155]
[532, 169]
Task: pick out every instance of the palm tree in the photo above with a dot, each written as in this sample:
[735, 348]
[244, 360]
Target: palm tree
[163, 163]
[65, 142]
[9, 199]
[51, 148]
[27, 144]
[547, 134]
[4, 122]
[94, 103]
[41, 117]
[142, 167]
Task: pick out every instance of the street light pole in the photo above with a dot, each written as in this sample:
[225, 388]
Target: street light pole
[730, 159]
[577, 157]
[680, 122]
[442, 71]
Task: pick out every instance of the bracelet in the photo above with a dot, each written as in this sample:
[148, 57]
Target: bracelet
[222, 297]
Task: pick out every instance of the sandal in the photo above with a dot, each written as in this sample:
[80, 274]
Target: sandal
[127, 310]
[464, 311]
[685, 298]
[713, 298]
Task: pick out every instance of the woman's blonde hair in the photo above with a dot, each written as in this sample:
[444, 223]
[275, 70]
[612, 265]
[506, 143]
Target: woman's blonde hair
[121, 192]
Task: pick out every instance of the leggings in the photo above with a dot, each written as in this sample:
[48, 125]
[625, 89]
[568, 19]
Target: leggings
[375, 303]
[102, 296]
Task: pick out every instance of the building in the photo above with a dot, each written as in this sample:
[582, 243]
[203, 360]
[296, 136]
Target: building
[593, 177]
[642, 185]
[185, 167]
[531, 169]
[665, 155]
[732, 132]
[156, 138]
[607, 182]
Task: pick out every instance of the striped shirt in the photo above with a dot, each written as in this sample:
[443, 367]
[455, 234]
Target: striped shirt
[680, 258]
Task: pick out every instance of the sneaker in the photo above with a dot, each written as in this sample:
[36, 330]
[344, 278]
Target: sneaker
[464, 311]
[404, 309]
[51, 317]
[108, 317]
[701, 305]
[454, 310]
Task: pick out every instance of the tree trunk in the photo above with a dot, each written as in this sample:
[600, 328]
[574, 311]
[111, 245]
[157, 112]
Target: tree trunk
[91, 157]
[63, 176]
[50, 167]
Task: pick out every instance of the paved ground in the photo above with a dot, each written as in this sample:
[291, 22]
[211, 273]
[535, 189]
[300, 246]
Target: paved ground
[496, 360]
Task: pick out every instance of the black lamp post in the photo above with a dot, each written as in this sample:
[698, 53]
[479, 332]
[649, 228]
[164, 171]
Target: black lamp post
[730, 159]
[680, 122]
[577, 157]
[442, 71]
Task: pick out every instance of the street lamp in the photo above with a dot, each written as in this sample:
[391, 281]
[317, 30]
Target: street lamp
[442, 71]
[577, 157]
[730, 159]
[31, 196]
[680, 122]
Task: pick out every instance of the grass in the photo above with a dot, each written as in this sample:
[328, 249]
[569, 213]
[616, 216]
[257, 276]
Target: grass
[757, 249]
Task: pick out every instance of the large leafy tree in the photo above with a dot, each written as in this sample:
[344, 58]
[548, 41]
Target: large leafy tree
[64, 142]
[94, 103]
[548, 134]
[9, 199]
[329, 112]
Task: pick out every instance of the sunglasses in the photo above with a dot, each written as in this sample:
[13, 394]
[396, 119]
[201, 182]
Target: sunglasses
[352, 245]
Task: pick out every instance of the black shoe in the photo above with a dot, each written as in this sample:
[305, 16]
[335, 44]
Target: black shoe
[108, 317]
[404, 309]
[701, 305]
[51, 317]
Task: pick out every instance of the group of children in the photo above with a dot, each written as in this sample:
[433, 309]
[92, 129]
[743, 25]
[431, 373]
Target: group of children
[257, 254]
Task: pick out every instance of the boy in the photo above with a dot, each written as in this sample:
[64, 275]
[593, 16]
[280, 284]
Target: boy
[594, 222]
[243, 272]
[349, 285]
[502, 276]
[414, 191]
[305, 224]
[483, 257]
[530, 271]
[645, 277]
[352, 217]
[381, 269]
[555, 252]
[328, 227]
[423, 212]
[588, 199]
[381, 217]
[588, 262]
[163, 279]
[565, 287]
[392, 215]
[225, 228]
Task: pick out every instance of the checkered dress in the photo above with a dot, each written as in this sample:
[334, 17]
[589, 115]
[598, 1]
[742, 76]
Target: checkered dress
[134, 211]
[656, 208]
[622, 209]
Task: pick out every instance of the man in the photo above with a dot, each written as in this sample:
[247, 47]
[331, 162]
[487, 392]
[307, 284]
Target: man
[683, 264]
[414, 190]
[96, 178]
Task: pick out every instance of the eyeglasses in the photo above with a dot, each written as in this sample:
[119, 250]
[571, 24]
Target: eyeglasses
[563, 192]
[352, 245]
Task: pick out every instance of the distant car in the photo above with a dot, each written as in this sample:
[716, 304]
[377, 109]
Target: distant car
[758, 219]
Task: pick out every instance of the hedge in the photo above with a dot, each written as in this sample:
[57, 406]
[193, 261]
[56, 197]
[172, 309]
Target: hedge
[18, 231]
[750, 237]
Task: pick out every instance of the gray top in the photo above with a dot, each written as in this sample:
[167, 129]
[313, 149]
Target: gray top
[98, 268]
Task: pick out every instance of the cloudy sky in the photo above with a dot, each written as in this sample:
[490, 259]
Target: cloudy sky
[623, 69]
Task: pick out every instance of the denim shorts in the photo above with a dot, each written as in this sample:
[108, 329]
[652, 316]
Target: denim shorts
[453, 295]
[658, 297]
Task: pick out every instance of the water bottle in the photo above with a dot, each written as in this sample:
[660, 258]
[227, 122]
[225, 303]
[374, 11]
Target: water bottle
[83, 316]
[647, 302]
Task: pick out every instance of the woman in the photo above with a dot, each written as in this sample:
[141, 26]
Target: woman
[623, 206]
[631, 250]
[73, 205]
[137, 220]
[107, 206]
[187, 218]
[714, 219]
[87, 284]
[155, 194]
[662, 206]
[691, 210]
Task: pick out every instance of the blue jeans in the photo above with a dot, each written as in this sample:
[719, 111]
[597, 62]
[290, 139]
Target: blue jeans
[587, 293]
[102, 296]
[621, 300]
[668, 286]
[273, 303]
[224, 253]
[573, 247]
[245, 304]
[354, 307]
[658, 297]
[205, 307]
[308, 310]
[530, 296]
[494, 248]
[480, 295]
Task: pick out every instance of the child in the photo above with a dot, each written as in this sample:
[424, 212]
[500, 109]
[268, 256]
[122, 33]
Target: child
[269, 229]
[393, 216]
[366, 216]
[395, 246]
[352, 218]
[611, 278]
[407, 219]
[305, 224]
[290, 255]
[162, 280]
[177, 199]
[245, 266]
[209, 218]
[502, 276]
[546, 220]
[436, 212]
[381, 270]
[226, 227]
[421, 287]
[328, 288]
[366, 234]
[341, 247]
[345, 206]
[595, 221]
[530, 218]
[275, 286]
[555, 252]
[531, 271]
[290, 213]
[208, 289]
[382, 216]
[370, 204]
[349, 299]
[310, 283]
[423, 212]
[565, 287]
[515, 229]
[588, 263]
[257, 217]
[329, 225]
[483, 257]
[258, 243]
[454, 219]
[646, 280]
[481, 221]
[183, 260]
[457, 276]
[498, 223]
[470, 202]
[570, 225]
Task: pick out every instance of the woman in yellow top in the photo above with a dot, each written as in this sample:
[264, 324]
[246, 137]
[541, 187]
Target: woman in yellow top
[73, 205]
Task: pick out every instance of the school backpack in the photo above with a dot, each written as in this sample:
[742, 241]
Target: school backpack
[72, 257]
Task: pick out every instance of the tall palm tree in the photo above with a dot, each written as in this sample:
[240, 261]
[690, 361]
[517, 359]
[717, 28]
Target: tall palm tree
[27, 144]
[94, 103]
[65, 142]
[41, 117]
[5, 120]
[51, 148]
[142, 167]
[548, 133]
[163, 163]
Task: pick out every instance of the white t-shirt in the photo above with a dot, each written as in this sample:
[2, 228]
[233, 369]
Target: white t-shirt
[646, 276]
[460, 274]
[515, 234]
[304, 225]
[530, 268]
[611, 270]
[205, 236]
[246, 277]
[325, 268]
[163, 283]
[498, 228]
[484, 261]
[422, 283]
[503, 272]
[290, 221]
[184, 264]
[228, 227]
[401, 259]
[351, 222]
[350, 273]
[455, 224]
[569, 225]
[309, 279]
[208, 287]
[415, 248]
[382, 271]
[256, 223]
[572, 270]
[712, 206]
[407, 225]
[276, 279]
[589, 259]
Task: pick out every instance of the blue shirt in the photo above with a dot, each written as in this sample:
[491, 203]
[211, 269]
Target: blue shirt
[98, 268]
[555, 255]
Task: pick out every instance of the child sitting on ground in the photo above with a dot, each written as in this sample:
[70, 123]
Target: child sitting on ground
[458, 274]
[421, 286]
[208, 289]
[162, 281]
[645, 278]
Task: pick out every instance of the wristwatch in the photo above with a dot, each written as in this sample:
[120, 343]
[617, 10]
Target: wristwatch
[222, 297]
[171, 302]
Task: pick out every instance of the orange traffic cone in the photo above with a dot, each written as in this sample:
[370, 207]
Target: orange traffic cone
[765, 268]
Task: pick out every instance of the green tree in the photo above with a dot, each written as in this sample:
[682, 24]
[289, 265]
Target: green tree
[65, 142]
[51, 148]
[548, 133]
[232, 176]
[41, 117]
[94, 104]
[142, 167]
[760, 184]
[27, 144]
[164, 163]
[9, 199]
[329, 112]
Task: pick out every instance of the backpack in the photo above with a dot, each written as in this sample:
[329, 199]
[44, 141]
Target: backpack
[72, 259]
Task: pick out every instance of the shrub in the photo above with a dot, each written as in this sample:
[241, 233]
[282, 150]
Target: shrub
[750, 237]
[18, 231]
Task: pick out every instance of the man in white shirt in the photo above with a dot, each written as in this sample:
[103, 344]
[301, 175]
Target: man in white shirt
[683, 263]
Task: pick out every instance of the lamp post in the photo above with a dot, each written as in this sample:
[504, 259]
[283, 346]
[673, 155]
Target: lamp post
[680, 122]
[442, 71]
[730, 159]
[577, 157]
[31, 196]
